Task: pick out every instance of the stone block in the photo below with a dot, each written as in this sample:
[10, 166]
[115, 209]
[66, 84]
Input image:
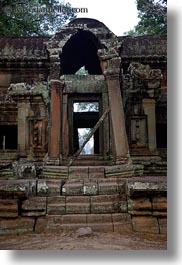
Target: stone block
[90, 187]
[108, 188]
[162, 225]
[145, 224]
[139, 204]
[75, 219]
[159, 204]
[54, 187]
[16, 226]
[105, 204]
[96, 172]
[72, 188]
[123, 206]
[14, 189]
[8, 208]
[47, 223]
[42, 188]
[122, 223]
[100, 222]
[49, 187]
[159, 213]
[142, 213]
[77, 208]
[140, 187]
[105, 198]
[56, 205]
[34, 206]
[122, 189]
[104, 207]
[78, 172]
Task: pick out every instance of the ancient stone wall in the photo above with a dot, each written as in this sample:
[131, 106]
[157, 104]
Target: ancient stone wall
[68, 198]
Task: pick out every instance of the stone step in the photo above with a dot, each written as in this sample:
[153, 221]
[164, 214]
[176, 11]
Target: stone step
[116, 222]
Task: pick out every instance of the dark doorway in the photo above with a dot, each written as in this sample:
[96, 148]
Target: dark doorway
[81, 50]
[161, 130]
[8, 137]
[85, 116]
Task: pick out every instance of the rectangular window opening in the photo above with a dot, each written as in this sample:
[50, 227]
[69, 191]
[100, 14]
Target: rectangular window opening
[8, 137]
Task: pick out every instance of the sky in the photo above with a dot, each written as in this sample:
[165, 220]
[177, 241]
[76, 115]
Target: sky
[118, 15]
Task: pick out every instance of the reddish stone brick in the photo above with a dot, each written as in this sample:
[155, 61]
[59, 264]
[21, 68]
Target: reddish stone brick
[75, 188]
[122, 223]
[35, 206]
[8, 208]
[16, 226]
[48, 223]
[145, 224]
[100, 222]
[108, 188]
[104, 207]
[78, 199]
[162, 225]
[56, 205]
[77, 208]
[140, 204]
[105, 198]
[74, 219]
[78, 172]
[159, 204]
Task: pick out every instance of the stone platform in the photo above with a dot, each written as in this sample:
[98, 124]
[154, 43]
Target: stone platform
[86, 197]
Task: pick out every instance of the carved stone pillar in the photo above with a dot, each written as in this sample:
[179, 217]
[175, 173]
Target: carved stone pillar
[110, 64]
[119, 141]
[23, 136]
[55, 119]
[149, 110]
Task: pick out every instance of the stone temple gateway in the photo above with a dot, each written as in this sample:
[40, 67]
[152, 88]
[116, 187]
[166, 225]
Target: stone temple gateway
[83, 131]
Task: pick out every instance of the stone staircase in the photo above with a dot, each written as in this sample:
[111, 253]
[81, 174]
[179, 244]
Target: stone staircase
[6, 171]
[115, 199]
[158, 168]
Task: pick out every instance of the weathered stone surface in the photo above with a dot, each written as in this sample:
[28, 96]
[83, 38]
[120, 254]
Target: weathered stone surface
[123, 207]
[77, 208]
[146, 186]
[140, 204]
[24, 170]
[78, 172]
[42, 188]
[34, 206]
[56, 205]
[159, 204]
[53, 223]
[90, 188]
[162, 225]
[49, 187]
[122, 222]
[145, 224]
[73, 188]
[108, 188]
[74, 218]
[14, 189]
[105, 204]
[100, 223]
[8, 208]
[16, 226]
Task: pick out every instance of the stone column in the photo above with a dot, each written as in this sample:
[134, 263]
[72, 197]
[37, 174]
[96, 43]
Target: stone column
[55, 119]
[23, 135]
[149, 110]
[119, 140]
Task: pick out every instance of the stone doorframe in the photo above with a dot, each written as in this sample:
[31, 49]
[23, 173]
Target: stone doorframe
[110, 63]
